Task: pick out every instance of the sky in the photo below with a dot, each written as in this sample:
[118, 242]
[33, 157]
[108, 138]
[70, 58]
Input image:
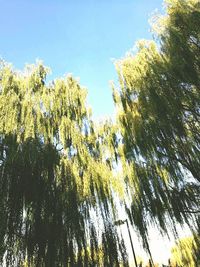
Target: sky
[75, 36]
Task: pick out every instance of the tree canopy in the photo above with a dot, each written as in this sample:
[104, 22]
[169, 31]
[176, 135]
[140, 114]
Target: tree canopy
[158, 105]
[54, 182]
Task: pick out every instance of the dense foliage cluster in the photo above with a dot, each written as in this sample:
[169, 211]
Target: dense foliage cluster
[159, 115]
[53, 174]
[60, 173]
[186, 252]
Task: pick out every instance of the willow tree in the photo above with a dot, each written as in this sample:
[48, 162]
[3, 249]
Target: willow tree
[158, 107]
[55, 183]
[185, 252]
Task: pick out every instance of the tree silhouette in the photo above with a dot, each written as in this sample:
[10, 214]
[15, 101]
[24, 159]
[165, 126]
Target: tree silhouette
[158, 107]
[52, 175]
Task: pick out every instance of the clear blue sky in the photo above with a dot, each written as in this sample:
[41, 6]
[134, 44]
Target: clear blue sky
[76, 36]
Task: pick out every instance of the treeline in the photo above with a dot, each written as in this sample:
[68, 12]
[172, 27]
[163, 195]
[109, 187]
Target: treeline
[61, 172]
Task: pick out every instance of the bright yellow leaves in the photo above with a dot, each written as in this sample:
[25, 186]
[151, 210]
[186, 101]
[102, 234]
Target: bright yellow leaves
[183, 254]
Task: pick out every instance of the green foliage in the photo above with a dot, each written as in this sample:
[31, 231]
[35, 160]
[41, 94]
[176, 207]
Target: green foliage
[159, 115]
[185, 253]
[53, 175]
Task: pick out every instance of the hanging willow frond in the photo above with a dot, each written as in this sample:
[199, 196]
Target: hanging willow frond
[52, 175]
[158, 106]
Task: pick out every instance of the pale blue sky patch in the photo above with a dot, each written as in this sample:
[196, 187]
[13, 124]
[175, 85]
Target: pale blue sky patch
[78, 36]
